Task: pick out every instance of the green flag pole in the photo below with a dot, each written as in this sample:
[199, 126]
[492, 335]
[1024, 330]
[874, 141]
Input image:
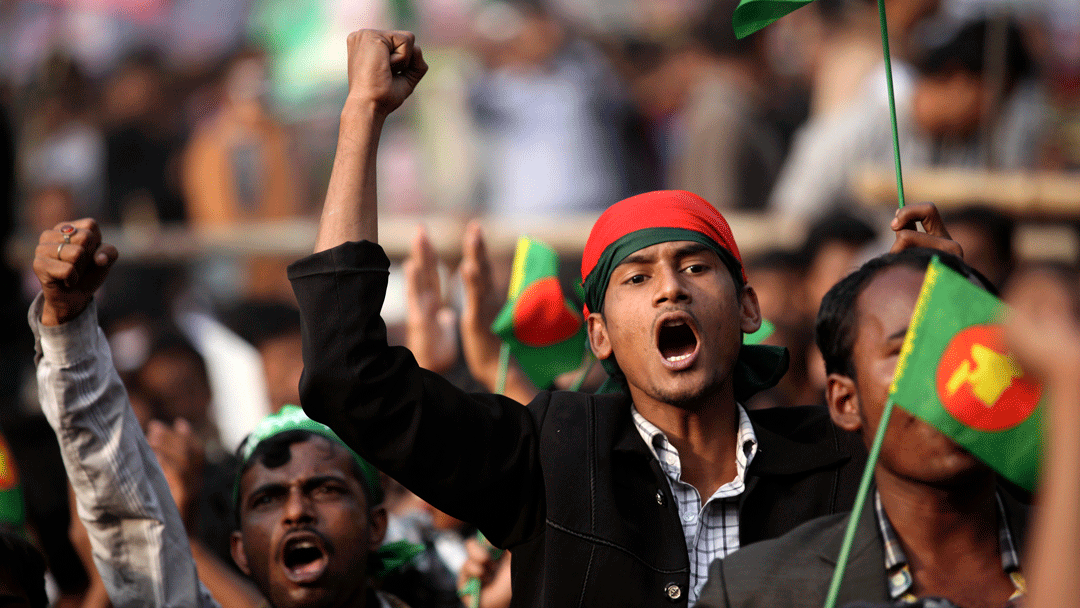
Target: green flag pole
[504, 368]
[856, 511]
[892, 101]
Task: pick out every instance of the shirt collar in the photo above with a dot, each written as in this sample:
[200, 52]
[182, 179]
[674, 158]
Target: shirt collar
[658, 442]
[898, 574]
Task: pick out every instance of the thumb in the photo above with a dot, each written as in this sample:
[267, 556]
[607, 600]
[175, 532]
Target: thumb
[106, 256]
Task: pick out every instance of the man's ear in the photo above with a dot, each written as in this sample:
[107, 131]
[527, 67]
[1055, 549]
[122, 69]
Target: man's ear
[599, 340]
[236, 548]
[750, 311]
[843, 399]
[378, 519]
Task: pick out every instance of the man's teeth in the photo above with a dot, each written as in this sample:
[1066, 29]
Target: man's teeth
[675, 358]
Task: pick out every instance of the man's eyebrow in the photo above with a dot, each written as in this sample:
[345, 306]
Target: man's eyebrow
[898, 334]
[321, 479]
[267, 487]
[637, 258]
[691, 249]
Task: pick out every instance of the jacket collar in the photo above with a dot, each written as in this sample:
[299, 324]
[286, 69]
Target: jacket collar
[778, 455]
[866, 537]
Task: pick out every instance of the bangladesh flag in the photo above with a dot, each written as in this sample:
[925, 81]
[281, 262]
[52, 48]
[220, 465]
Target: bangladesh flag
[955, 373]
[753, 15]
[543, 331]
[11, 500]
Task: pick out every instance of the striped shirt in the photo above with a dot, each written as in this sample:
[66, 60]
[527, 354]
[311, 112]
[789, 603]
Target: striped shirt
[898, 574]
[711, 530]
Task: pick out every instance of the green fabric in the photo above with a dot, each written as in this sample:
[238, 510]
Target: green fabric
[955, 373]
[753, 15]
[761, 334]
[12, 510]
[393, 556]
[292, 418]
[542, 329]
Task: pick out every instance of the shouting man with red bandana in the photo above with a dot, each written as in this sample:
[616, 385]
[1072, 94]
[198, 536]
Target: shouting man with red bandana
[604, 500]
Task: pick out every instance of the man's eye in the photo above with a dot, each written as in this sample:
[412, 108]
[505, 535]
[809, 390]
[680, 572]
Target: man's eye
[636, 279]
[695, 268]
[261, 500]
[329, 490]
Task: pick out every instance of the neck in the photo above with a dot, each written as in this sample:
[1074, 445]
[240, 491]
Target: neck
[704, 435]
[942, 525]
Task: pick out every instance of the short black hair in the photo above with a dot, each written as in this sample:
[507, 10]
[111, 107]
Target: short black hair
[836, 326]
[276, 451]
[26, 565]
[837, 227]
[965, 49]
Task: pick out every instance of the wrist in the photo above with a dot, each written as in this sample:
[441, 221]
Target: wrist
[53, 315]
[358, 112]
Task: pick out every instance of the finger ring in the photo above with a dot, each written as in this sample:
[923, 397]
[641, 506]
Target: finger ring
[67, 230]
[59, 248]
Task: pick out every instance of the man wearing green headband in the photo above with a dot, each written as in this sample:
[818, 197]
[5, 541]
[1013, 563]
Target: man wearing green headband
[309, 510]
[604, 500]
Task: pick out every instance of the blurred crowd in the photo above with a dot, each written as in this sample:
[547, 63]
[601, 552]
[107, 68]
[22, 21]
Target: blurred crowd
[182, 113]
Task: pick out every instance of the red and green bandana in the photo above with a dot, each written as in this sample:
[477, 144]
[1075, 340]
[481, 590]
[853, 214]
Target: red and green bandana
[643, 221]
[659, 217]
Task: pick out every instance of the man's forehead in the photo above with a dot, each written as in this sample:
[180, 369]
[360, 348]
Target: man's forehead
[675, 248]
[313, 456]
[887, 302]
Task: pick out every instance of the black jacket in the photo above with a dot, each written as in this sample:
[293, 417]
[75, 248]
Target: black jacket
[566, 483]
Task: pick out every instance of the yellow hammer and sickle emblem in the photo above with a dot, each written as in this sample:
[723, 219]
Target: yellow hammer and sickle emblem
[989, 373]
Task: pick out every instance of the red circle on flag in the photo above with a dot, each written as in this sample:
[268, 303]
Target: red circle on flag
[9, 475]
[541, 316]
[981, 385]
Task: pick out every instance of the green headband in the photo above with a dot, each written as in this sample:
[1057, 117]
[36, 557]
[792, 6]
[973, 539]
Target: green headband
[596, 283]
[292, 418]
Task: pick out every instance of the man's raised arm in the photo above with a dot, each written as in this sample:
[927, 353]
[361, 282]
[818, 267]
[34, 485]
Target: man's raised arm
[138, 540]
[384, 68]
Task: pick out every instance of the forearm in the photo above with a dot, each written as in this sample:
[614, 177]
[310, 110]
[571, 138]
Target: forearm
[138, 540]
[227, 587]
[350, 211]
[1055, 544]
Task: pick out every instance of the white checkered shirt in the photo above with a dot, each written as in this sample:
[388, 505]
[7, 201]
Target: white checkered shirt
[711, 530]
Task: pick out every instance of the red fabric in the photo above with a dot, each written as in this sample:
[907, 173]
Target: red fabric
[660, 209]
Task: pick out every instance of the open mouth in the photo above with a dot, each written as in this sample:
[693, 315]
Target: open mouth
[304, 558]
[676, 340]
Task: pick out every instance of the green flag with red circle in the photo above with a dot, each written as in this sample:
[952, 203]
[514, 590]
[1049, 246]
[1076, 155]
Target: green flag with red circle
[545, 333]
[955, 373]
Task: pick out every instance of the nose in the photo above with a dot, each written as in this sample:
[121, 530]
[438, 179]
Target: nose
[298, 508]
[670, 287]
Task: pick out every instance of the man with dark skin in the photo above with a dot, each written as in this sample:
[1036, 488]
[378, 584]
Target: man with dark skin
[619, 499]
[309, 511]
[953, 533]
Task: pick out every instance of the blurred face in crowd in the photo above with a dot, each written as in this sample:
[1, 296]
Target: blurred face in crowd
[306, 529]
[283, 364]
[912, 449]
[950, 104]
[674, 322]
[180, 383]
